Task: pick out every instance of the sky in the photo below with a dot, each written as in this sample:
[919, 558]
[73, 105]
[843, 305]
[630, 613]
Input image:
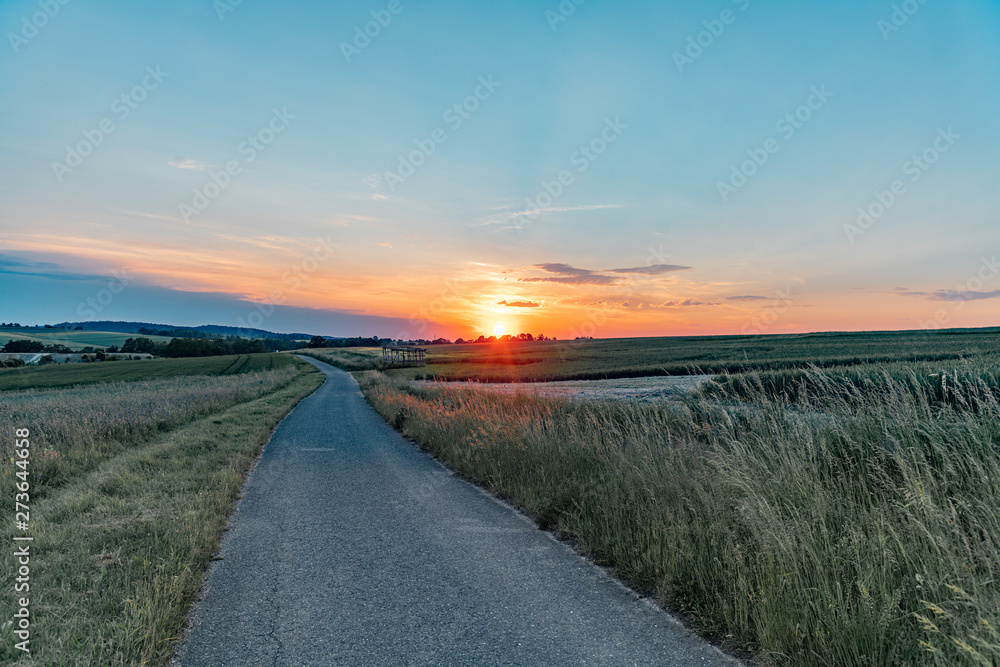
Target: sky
[436, 168]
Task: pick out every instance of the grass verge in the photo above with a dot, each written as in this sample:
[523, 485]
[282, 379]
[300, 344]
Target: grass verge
[845, 532]
[122, 548]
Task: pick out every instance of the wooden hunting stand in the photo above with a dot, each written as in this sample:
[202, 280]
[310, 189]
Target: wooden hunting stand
[402, 356]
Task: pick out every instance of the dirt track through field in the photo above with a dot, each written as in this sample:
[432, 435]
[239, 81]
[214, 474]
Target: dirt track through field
[352, 547]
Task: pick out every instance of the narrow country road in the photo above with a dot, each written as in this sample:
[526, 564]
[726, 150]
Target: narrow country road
[352, 547]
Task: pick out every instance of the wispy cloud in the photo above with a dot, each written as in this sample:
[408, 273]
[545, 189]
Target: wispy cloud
[518, 304]
[153, 216]
[187, 163]
[516, 219]
[955, 295]
[687, 303]
[748, 297]
[948, 294]
[563, 269]
[594, 279]
[653, 270]
[570, 275]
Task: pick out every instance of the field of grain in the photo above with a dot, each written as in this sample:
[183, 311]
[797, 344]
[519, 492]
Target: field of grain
[697, 355]
[74, 340]
[839, 516]
[67, 375]
[131, 484]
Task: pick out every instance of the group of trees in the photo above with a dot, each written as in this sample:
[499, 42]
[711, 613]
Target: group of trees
[506, 338]
[195, 347]
[322, 341]
[33, 346]
[375, 341]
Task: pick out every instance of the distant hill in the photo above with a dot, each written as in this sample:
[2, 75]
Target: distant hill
[133, 327]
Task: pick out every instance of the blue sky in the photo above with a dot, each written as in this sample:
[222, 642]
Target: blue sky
[443, 249]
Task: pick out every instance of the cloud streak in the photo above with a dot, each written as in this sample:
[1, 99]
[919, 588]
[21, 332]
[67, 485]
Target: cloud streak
[519, 304]
[186, 163]
[652, 270]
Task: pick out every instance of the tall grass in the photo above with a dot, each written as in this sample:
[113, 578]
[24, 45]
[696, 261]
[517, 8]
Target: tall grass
[72, 431]
[861, 528]
[132, 485]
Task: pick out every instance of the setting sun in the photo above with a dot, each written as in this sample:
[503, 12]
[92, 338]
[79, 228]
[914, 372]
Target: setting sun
[499, 329]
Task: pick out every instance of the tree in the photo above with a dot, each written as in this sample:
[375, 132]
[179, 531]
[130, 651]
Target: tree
[317, 341]
[140, 345]
[23, 346]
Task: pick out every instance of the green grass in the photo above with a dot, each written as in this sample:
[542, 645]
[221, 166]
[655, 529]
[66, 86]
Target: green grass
[67, 375]
[640, 357]
[833, 529]
[75, 340]
[136, 482]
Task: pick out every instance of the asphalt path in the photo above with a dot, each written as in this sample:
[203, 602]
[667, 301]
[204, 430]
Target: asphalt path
[350, 546]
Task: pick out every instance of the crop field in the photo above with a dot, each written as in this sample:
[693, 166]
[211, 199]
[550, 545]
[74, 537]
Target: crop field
[75, 340]
[67, 375]
[642, 357]
[132, 479]
[833, 506]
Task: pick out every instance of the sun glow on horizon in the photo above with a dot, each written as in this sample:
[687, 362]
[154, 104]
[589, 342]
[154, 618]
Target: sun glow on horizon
[499, 329]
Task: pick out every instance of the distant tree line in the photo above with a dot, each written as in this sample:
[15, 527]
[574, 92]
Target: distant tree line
[322, 341]
[507, 338]
[33, 346]
[198, 347]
